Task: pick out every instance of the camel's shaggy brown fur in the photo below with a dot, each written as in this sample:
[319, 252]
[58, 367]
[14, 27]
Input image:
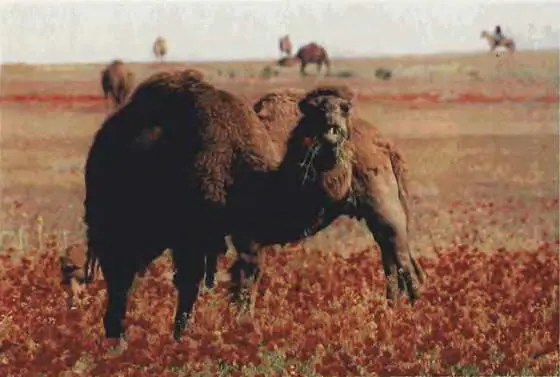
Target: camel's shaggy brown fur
[172, 168]
[183, 164]
[279, 112]
[373, 157]
[117, 81]
[279, 120]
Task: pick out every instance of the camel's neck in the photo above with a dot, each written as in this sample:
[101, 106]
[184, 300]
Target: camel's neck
[301, 200]
[291, 211]
[299, 171]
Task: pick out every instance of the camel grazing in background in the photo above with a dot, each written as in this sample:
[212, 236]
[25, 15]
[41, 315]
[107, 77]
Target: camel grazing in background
[117, 82]
[313, 53]
[160, 48]
[494, 42]
[285, 46]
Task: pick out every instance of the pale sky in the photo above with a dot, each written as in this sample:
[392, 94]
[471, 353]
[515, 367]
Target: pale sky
[98, 31]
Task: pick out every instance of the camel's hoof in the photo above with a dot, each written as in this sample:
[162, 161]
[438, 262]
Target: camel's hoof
[178, 333]
[180, 325]
[115, 346]
[245, 318]
[210, 283]
[177, 336]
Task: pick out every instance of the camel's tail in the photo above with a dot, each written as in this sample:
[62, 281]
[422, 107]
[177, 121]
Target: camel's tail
[91, 264]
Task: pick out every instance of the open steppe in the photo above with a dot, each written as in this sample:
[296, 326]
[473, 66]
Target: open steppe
[480, 135]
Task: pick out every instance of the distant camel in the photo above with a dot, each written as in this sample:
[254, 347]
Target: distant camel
[160, 48]
[285, 45]
[313, 53]
[116, 81]
[494, 42]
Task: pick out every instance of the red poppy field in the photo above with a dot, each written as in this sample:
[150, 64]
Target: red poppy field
[483, 160]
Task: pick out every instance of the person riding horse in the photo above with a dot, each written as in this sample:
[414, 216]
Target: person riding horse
[498, 36]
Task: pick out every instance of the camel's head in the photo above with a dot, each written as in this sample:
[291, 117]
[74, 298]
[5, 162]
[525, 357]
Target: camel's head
[483, 34]
[327, 121]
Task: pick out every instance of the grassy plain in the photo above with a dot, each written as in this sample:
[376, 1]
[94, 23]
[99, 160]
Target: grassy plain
[480, 135]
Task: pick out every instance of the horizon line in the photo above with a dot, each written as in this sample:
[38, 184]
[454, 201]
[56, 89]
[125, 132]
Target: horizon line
[263, 59]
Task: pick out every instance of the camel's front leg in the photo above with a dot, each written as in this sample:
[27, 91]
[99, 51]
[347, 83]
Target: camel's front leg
[302, 69]
[386, 218]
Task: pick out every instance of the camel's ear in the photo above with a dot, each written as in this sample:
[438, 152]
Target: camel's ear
[261, 110]
[263, 113]
[347, 106]
[308, 105]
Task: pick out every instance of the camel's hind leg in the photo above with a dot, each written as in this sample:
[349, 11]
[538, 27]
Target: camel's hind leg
[212, 266]
[245, 274]
[189, 271]
[190, 265]
[120, 261]
[118, 272]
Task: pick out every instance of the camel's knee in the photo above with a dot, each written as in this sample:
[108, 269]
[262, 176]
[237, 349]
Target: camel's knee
[391, 235]
[389, 228]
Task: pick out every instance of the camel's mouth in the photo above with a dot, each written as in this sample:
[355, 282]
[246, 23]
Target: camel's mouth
[335, 135]
[323, 153]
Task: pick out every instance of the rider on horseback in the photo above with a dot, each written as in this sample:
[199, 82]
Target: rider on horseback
[498, 34]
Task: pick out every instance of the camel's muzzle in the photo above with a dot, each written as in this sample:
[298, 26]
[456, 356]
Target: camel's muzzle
[335, 135]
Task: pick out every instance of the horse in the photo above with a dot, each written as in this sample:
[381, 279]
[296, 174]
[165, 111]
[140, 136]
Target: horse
[494, 42]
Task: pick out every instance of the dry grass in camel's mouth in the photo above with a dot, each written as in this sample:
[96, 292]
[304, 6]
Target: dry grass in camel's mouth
[307, 163]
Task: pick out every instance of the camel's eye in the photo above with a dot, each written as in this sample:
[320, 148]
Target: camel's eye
[345, 107]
